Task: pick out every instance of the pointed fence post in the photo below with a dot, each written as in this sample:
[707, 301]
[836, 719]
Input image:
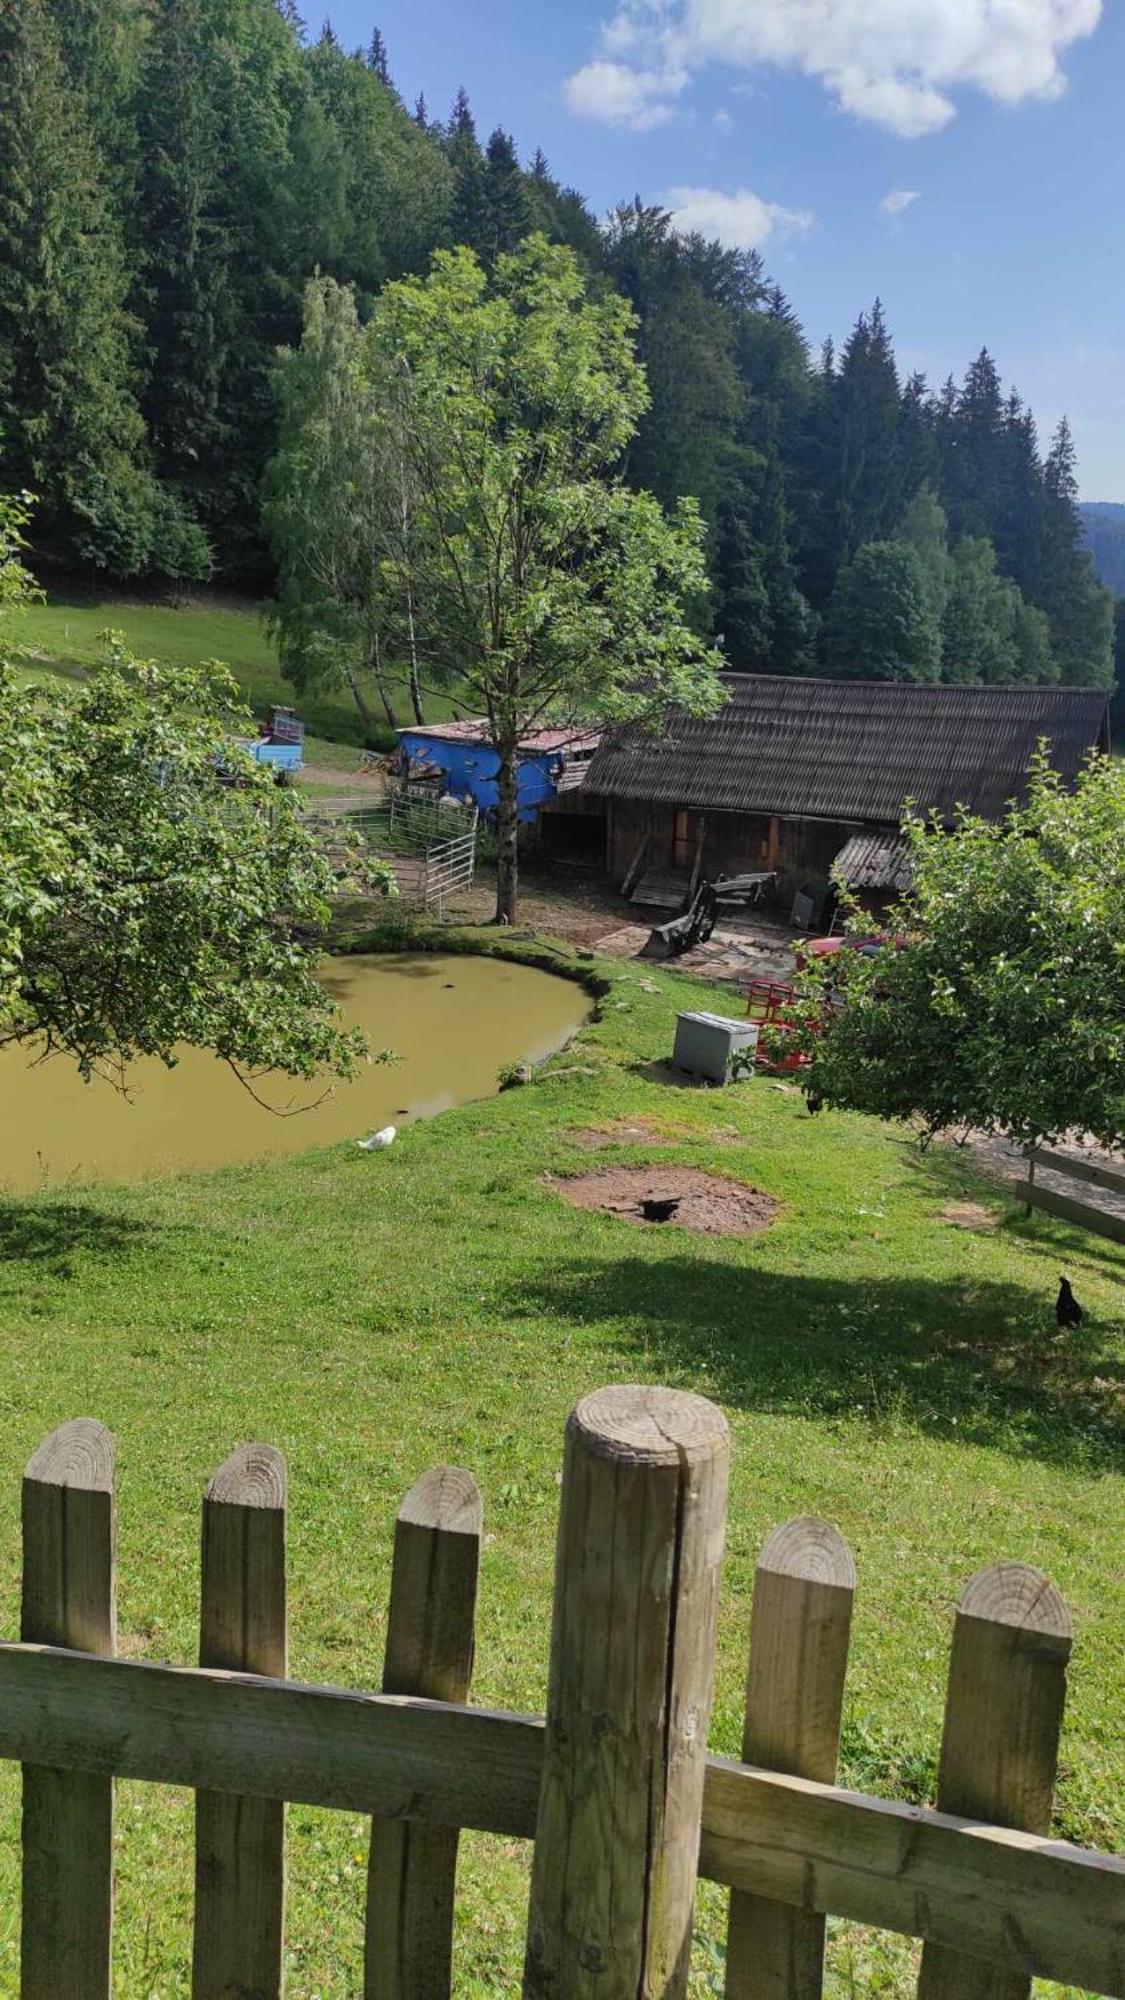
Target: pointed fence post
[799, 1631]
[69, 1599]
[412, 1870]
[640, 1543]
[1000, 1744]
[240, 1842]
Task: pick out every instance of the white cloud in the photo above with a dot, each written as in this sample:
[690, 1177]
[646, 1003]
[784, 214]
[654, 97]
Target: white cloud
[896, 63]
[616, 94]
[742, 220]
[899, 200]
[722, 118]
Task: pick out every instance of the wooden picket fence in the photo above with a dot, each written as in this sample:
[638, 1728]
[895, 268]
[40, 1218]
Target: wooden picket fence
[615, 1786]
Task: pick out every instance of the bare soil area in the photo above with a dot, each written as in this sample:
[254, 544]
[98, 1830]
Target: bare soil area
[703, 1202]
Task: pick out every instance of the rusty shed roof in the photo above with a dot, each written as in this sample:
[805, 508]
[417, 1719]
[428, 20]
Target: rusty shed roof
[853, 750]
[874, 861]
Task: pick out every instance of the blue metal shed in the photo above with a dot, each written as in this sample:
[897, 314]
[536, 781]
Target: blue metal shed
[468, 764]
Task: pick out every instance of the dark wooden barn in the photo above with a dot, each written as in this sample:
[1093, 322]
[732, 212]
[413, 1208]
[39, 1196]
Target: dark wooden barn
[800, 775]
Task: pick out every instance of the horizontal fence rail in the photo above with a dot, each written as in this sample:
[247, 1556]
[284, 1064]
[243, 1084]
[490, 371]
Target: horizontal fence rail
[614, 1787]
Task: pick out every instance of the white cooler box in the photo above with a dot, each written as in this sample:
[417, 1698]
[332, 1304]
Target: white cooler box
[706, 1044]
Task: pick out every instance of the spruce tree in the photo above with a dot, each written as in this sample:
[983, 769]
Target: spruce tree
[862, 478]
[377, 61]
[1079, 609]
[70, 427]
[506, 210]
[467, 204]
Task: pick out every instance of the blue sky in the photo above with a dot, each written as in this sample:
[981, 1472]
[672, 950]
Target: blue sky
[803, 125]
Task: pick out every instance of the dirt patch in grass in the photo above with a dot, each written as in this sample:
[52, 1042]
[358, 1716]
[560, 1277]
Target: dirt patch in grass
[671, 1197]
[969, 1215]
[645, 1132]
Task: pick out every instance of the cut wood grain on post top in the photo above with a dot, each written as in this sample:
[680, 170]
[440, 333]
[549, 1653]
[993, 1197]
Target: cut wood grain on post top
[1000, 1744]
[240, 1841]
[640, 1542]
[69, 1599]
[799, 1631]
[430, 1639]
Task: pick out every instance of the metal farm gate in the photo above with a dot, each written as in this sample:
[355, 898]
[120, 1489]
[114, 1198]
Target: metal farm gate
[432, 844]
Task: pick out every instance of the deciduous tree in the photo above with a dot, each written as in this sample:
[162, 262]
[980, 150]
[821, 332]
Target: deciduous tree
[1004, 1009]
[556, 592]
[144, 905]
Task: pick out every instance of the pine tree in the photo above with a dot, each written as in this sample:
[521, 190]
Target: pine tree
[742, 605]
[377, 61]
[466, 207]
[975, 471]
[1079, 609]
[507, 215]
[216, 118]
[70, 427]
[863, 478]
[421, 112]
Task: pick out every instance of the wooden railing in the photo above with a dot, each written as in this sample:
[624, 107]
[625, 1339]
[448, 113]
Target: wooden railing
[1101, 1219]
[615, 1787]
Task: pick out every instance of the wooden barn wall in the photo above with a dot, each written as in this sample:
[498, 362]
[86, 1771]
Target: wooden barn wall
[802, 851]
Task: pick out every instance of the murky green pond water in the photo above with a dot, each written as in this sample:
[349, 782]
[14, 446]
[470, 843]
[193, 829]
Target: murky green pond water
[452, 1022]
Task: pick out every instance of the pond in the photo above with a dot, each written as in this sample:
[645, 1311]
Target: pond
[453, 1024]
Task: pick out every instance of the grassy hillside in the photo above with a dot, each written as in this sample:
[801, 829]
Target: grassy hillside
[374, 1314]
[65, 637]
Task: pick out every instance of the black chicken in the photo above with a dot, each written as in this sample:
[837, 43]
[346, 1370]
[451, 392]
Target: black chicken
[654, 1210]
[1068, 1312]
[815, 1102]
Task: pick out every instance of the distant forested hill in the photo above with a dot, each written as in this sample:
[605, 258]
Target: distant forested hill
[1103, 531]
[176, 170]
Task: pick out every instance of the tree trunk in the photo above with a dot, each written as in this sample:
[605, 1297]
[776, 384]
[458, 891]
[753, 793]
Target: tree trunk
[356, 692]
[415, 684]
[384, 697]
[507, 832]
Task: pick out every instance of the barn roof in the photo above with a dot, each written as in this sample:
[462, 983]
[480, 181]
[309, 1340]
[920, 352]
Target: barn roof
[576, 738]
[853, 750]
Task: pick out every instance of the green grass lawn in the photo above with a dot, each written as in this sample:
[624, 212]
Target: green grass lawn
[65, 635]
[373, 1315]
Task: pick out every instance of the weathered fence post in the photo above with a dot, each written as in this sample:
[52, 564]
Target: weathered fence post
[69, 1599]
[999, 1750]
[640, 1543]
[430, 1633]
[799, 1631]
[240, 1842]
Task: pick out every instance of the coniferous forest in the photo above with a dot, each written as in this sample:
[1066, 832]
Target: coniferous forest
[174, 172]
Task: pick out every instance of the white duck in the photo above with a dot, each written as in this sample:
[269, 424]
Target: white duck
[378, 1140]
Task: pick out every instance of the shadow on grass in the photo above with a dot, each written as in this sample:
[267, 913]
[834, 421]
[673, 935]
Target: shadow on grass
[958, 1171]
[979, 1363]
[50, 1233]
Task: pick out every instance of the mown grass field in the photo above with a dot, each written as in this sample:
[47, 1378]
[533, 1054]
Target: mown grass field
[374, 1314]
[65, 636]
